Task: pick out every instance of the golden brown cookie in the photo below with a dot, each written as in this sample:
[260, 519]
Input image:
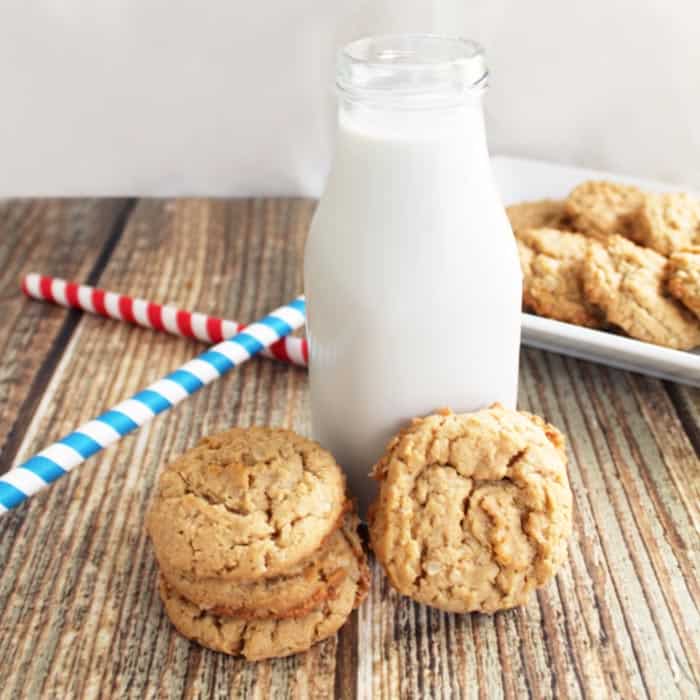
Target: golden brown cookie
[246, 504]
[264, 639]
[600, 209]
[292, 594]
[627, 282]
[684, 278]
[538, 214]
[552, 263]
[668, 222]
[474, 510]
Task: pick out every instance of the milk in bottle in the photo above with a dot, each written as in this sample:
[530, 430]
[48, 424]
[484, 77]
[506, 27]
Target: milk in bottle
[411, 271]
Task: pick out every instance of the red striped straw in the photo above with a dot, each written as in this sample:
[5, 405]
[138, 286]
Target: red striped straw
[159, 317]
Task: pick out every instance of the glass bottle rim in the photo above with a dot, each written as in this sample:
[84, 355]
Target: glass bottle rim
[410, 66]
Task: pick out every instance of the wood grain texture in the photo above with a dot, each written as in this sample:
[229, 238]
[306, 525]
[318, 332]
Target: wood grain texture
[65, 238]
[79, 612]
[687, 403]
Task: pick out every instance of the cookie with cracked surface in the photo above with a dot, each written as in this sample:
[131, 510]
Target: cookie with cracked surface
[248, 503]
[552, 262]
[536, 214]
[627, 282]
[600, 209]
[684, 278]
[474, 510]
[668, 222]
[292, 594]
[259, 639]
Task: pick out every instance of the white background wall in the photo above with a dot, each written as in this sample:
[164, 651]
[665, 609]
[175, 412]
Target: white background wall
[225, 97]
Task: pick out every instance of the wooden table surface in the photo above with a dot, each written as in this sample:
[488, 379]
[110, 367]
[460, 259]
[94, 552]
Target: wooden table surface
[79, 611]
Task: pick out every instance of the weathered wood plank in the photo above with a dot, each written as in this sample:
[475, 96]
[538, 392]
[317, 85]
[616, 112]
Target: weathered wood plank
[65, 238]
[687, 403]
[79, 613]
[623, 477]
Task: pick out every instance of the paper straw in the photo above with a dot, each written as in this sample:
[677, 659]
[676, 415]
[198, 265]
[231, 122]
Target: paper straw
[58, 459]
[148, 314]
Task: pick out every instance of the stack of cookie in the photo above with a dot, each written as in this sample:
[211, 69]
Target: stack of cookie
[611, 256]
[257, 545]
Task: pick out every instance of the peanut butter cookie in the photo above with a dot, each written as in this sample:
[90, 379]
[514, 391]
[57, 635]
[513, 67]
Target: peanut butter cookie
[627, 282]
[600, 209]
[669, 222]
[246, 504]
[684, 278]
[474, 510]
[544, 213]
[264, 639]
[552, 262]
[293, 594]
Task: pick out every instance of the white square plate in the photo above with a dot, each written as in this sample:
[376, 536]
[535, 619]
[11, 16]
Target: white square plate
[520, 179]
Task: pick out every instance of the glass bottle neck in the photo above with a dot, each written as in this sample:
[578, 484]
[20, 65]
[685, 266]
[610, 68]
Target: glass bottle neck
[416, 70]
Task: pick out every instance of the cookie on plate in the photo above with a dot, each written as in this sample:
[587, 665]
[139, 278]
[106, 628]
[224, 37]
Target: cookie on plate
[600, 209]
[551, 262]
[536, 214]
[668, 222]
[684, 278]
[627, 282]
[474, 510]
[293, 594]
[246, 504]
[264, 639]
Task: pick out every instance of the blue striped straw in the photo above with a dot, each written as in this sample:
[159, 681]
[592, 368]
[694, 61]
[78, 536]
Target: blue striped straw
[23, 481]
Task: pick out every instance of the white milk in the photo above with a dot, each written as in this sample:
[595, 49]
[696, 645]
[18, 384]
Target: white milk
[411, 272]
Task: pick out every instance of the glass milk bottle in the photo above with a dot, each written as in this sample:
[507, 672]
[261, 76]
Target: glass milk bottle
[411, 270]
